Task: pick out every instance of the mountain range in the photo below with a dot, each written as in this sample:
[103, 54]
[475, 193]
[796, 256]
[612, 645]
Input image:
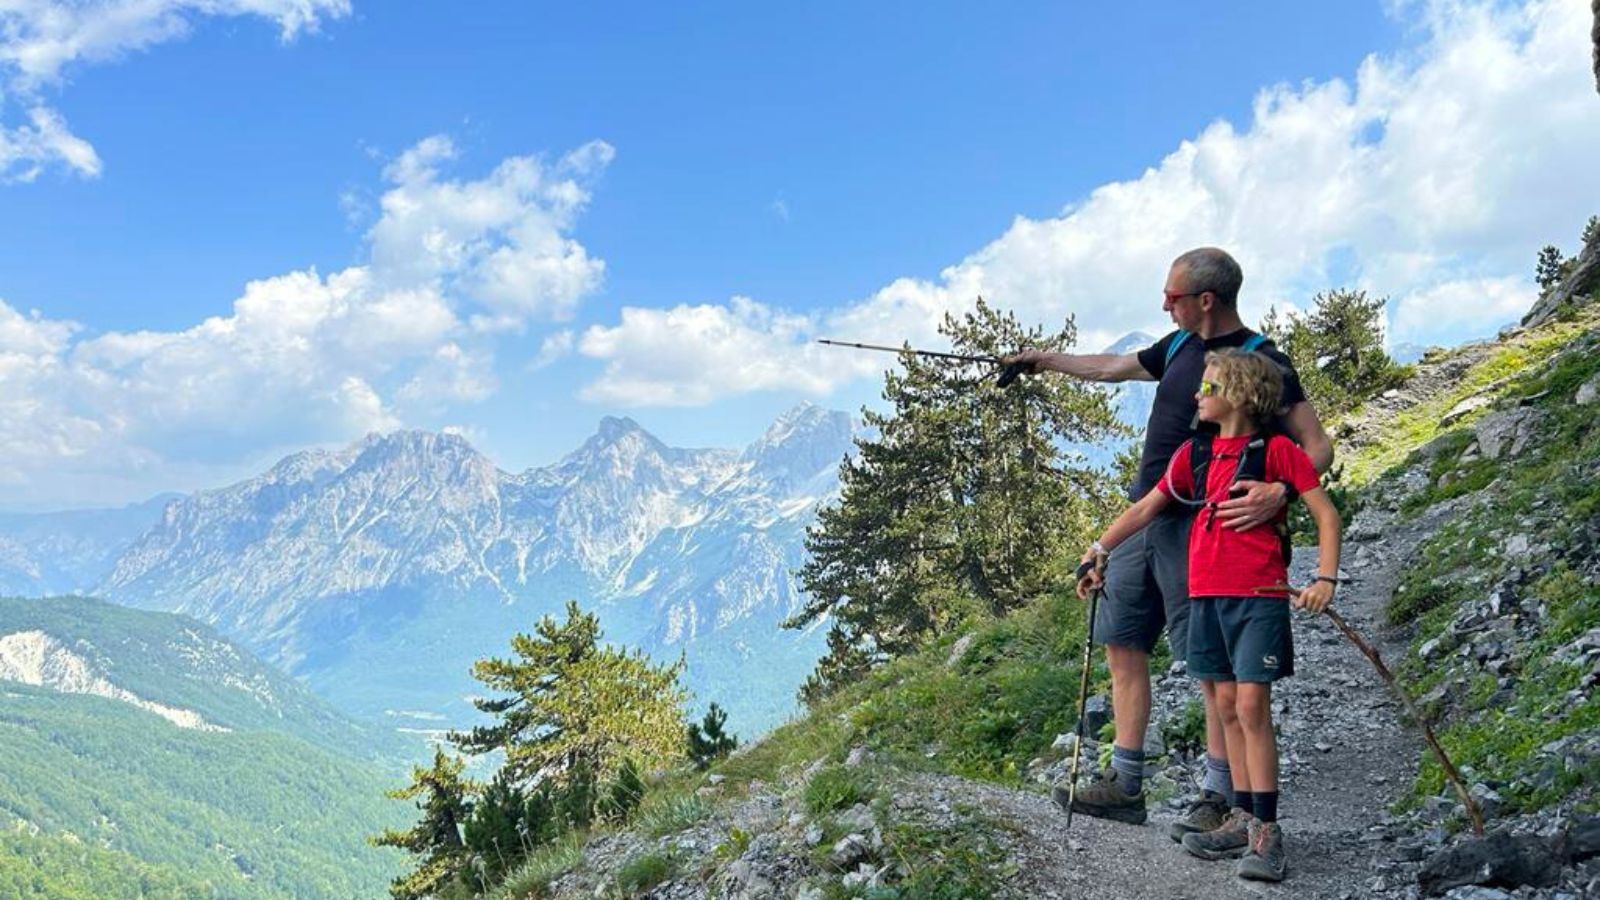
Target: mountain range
[380, 571]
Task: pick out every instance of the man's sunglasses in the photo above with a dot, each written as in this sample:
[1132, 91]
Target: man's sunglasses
[1209, 388]
[1174, 298]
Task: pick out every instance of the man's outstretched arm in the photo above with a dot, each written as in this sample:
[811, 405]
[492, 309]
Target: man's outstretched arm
[1088, 366]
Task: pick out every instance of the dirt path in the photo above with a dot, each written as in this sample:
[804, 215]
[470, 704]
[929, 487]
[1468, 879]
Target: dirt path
[1345, 757]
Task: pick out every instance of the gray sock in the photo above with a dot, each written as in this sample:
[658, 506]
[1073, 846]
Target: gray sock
[1129, 766]
[1219, 778]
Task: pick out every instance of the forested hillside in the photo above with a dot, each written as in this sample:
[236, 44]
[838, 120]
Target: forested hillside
[143, 756]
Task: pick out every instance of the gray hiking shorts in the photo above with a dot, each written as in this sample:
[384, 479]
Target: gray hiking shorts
[1147, 588]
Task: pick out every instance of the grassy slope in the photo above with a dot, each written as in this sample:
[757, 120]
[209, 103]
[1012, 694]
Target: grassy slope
[1550, 490]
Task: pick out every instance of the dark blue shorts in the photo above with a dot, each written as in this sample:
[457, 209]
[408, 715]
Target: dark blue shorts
[1240, 639]
[1147, 588]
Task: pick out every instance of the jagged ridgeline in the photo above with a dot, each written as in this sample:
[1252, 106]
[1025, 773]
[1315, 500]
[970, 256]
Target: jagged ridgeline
[141, 755]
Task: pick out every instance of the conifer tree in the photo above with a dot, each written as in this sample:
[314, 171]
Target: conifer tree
[575, 710]
[1550, 267]
[1337, 350]
[623, 794]
[964, 502]
[707, 740]
[442, 794]
[495, 834]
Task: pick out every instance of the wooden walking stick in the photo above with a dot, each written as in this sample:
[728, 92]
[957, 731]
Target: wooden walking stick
[1370, 652]
[1450, 771]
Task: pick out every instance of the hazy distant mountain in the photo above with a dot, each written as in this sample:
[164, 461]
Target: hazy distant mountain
[1132, 399]
[380, 571]
[1407, 353]
[67, 552]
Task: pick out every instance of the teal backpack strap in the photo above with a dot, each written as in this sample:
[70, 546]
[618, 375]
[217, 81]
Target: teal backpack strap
[1254, 341]
[1173, 348]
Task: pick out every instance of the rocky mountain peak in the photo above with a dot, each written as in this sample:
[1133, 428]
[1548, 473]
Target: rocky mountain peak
[803, 442]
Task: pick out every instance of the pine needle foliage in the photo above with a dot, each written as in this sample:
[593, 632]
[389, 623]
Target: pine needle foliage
[1337, 349]
[442, 794]
[573, 705]
[708, 742]
[964, 501]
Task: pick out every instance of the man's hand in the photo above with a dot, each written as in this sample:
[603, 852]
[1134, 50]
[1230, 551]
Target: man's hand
[1031, 360]
[1091, 573]
[1261, 503]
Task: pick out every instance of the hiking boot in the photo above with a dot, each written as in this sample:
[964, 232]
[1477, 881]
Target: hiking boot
[1230, 839]
[1104, 798]
[1266, 860]
[1205, 814]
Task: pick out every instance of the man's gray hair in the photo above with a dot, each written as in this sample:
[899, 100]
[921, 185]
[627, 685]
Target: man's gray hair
[1212, 269]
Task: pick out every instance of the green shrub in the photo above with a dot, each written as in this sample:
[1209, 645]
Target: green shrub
[834, 787]
[644, 872]
[664, 814]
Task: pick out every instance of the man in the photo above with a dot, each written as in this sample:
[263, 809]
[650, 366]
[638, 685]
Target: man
[1146, 579]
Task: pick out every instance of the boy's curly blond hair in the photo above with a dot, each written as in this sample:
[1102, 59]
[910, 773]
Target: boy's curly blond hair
[1249, 381]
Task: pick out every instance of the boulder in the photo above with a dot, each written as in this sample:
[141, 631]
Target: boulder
[850, 851]
[1505, 433]
[1588, 391]
[1096, 713]
[1499, 860]
[1583, 838]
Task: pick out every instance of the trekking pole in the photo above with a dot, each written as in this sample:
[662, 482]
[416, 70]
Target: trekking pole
[1008, 373]
[1083, 690]
[1451, 773]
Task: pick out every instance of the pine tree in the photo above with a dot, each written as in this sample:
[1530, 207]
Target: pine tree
[494, 834]
[1337, 350]
[442, 794]
[1549, 269]
[964, 503]
[1591, 231]
[707, 741]
[576, 710]
[623, 795]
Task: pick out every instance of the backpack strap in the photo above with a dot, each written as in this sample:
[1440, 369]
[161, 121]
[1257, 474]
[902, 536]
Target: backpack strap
[1178, 341]
[1252, 342]
[1199, 462]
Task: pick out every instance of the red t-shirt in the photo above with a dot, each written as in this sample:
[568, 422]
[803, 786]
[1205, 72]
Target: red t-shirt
[1224, 562]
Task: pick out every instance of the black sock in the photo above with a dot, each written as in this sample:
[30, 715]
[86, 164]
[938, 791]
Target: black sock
[1267, 806]
[1246, 801]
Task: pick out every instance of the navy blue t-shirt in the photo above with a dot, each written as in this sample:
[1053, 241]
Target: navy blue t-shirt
[1172, 415]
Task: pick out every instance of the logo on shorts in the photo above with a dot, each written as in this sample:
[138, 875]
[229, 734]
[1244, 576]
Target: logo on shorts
[1269, 661]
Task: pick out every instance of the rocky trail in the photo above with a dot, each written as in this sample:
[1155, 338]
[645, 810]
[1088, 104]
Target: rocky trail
[1344, 756]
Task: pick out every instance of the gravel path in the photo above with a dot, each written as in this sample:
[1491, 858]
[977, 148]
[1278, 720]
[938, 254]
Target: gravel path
[1344, 757]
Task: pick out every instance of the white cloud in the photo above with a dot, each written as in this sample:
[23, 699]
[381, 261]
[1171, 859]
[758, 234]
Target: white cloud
[690, 355]
[556, 346]
[41, 39]
[1434, 174]
[300, 357]
[1476, 306]
[501, 240]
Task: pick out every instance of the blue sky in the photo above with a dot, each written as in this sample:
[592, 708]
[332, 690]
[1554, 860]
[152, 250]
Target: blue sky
[515, 221]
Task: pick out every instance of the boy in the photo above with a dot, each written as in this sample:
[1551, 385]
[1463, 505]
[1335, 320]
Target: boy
[1239, 634]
